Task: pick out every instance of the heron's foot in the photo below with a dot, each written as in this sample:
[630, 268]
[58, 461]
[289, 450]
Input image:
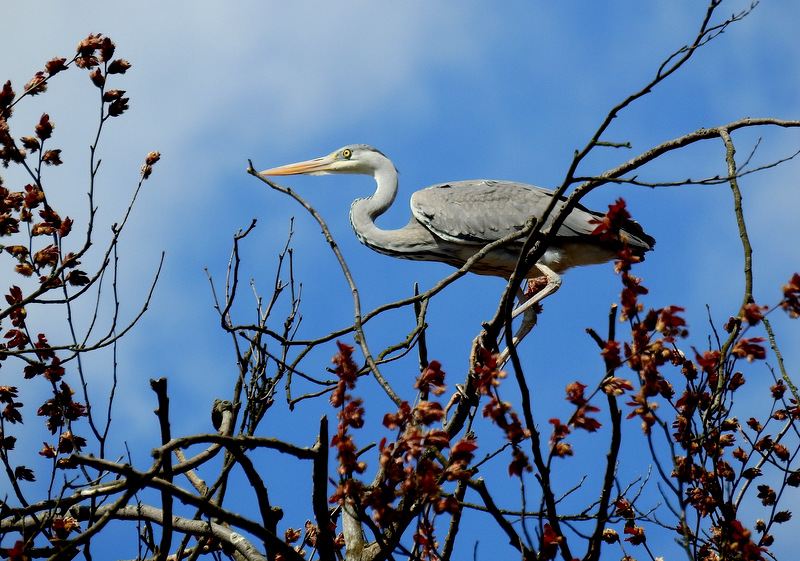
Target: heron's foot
[552, 284]
[534, 286]
[537, 290]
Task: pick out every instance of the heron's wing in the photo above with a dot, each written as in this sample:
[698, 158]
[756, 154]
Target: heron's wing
[483, 211]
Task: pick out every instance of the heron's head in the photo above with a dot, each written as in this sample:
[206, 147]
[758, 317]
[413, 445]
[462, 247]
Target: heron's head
[356, 158]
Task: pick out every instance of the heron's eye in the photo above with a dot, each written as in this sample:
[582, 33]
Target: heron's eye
[346, 153]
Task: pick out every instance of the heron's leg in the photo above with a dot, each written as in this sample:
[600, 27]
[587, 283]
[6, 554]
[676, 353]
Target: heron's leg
[522, 298]
[526, 307]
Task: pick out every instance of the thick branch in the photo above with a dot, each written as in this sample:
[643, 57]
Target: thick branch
[184, 525]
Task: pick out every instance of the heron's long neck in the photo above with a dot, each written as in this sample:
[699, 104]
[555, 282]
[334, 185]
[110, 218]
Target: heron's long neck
[363, 213]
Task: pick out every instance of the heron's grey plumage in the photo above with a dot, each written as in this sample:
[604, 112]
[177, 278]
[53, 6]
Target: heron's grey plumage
[452, 221]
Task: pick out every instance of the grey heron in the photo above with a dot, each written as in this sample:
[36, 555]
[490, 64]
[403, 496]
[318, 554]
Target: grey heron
[450, 222]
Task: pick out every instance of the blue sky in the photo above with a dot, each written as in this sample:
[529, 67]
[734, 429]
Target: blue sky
[448, 91]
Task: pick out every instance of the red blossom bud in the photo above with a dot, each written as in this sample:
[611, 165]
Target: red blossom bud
[52, 157]
[432, 379]
[791, 291]
[86, 50]
[427, 412]
[30, 143]
[751, 473]
[637, 534]
[24, 474]
[18, 251]
[12, 154]
[86, 62]
[37, 84]
[48, 451]
[42, 229]
[89, 45]
[624, 508]
[6, 95]
[291, 535]
[152, 157]
[97, 78]
[736, 381]
[106, 49]
[610, 536]
[519, 463]
[616, 386]
[767, 495]
[112, 95]
[118, 107]
[753, 313]
[65, 228]
[77, 278]
[782, 452]
[24, 269]
[55, 66]
[740, 455]
[753, 423]
[750, 349]
[118, 66]
[45, 127]
[778, 390]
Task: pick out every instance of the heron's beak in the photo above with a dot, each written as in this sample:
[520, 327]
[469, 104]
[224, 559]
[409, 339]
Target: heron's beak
[317, 165]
